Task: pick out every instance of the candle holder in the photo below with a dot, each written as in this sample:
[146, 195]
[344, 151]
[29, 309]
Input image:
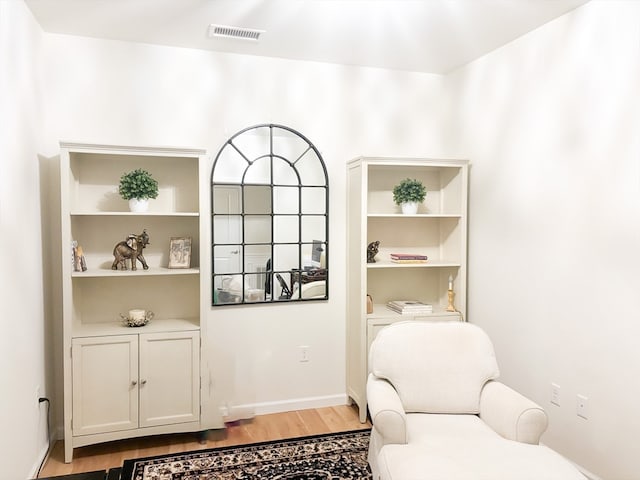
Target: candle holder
[450, 307]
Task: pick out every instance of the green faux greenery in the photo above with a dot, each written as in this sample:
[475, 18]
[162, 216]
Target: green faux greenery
[409, 190]
[138, 184]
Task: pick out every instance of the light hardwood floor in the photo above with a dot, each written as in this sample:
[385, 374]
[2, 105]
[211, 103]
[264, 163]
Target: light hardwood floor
[259, 429]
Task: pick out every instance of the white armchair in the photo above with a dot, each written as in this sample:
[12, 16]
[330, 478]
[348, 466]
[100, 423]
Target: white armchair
[439, 413]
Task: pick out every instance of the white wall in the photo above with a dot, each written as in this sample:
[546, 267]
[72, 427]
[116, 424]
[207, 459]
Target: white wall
[125, 93]
[551, 123]
[22, 343]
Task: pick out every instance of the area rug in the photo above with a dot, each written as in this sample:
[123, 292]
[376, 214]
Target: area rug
[335, 456]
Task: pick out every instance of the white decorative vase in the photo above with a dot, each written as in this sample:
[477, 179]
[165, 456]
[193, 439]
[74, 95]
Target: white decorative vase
[139, 205]
[409, 208]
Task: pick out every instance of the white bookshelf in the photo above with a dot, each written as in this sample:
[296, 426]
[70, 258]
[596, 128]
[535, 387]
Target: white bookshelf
[438, 230]
[96, 343]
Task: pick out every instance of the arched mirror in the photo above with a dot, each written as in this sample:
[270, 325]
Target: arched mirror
[270, 225]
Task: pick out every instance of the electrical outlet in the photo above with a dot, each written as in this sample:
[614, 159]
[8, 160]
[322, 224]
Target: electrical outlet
[303, 353]
[581, 406]
[555, 394]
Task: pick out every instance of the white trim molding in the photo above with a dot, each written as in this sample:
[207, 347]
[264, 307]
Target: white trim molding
[305, 403]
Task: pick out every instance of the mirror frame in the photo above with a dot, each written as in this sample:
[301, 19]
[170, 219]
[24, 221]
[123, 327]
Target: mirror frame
[275, 279]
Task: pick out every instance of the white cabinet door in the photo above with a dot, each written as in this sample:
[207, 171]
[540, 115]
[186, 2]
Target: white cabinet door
[169, 378]
[105, 391]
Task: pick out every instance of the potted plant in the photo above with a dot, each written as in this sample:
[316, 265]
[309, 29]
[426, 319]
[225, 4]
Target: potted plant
[408, 194]
[138, 186]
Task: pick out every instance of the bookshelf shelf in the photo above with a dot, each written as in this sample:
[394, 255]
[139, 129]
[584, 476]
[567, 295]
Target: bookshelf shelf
[133, 214]
[428, 264]
[108, 273]
[382, 312]
[417, 215]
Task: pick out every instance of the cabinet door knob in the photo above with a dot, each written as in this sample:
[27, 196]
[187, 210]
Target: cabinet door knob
[235, 252]
[133, 383]
[143, 382]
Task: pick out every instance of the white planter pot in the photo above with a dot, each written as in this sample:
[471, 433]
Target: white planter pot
[139, 205]
[409, 208]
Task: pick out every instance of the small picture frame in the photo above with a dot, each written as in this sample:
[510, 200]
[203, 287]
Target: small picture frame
[180, 252]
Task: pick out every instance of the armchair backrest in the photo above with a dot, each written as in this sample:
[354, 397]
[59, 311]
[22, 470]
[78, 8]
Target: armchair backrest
[436, 367]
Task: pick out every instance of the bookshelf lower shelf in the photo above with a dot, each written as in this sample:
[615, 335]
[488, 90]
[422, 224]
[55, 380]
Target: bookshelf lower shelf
[116, 327]
[382, 312]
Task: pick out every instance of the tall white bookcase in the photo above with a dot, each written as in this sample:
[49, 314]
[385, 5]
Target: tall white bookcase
[438, 230]
[120, 381]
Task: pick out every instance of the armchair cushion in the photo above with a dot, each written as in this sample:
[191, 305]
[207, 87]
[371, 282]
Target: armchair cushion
[440, 369]
[463, 447]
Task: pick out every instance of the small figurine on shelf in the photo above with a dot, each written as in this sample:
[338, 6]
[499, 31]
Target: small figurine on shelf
[130, 249]
[369, 304]
[372, 251]
[137, 317]
[81, 263]
[78, 262]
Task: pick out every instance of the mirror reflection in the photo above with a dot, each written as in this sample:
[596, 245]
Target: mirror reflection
[269, 195]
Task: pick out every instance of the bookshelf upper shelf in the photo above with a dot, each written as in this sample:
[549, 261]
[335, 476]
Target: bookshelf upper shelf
[133, 214]
[428, 264]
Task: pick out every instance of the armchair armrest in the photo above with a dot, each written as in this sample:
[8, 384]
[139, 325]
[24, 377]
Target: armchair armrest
[387, 413]
[512, 415]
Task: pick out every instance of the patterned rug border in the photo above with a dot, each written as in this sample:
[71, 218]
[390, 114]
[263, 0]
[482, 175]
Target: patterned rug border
[129, 464]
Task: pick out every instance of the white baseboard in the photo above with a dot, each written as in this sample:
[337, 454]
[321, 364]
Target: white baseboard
[44, 453]
[305, 403]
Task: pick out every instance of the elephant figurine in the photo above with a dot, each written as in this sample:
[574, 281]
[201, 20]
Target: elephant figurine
[131, 249]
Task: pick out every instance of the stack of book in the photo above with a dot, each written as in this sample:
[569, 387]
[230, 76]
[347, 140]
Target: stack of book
[410, 307]
[408, 258]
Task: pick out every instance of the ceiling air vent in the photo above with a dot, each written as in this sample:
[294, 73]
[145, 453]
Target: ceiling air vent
[234, 32]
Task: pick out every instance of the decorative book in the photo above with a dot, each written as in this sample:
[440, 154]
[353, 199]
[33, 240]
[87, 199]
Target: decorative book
[410, 307]
[408, 261]
[408, 258]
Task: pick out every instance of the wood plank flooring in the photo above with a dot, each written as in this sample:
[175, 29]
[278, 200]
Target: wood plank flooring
[259, 429]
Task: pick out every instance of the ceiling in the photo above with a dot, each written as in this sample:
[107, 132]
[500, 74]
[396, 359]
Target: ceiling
[433, 36]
